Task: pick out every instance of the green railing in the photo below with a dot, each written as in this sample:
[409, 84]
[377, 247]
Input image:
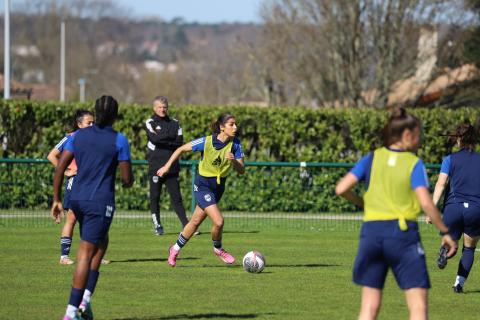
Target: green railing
[277, 193]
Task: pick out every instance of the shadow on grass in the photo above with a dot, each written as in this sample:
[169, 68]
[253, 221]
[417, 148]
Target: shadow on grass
[149, 260]
[307, 265]
[198, 316]
[234, 231]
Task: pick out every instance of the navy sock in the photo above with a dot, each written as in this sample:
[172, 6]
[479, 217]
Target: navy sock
[76, 296]
[466, 262]
[217, 244]
[66, 244]
[92, 280]
[181, 241]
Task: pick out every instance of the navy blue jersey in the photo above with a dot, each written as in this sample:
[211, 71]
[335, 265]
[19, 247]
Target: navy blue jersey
[97, 152]
[463, 170]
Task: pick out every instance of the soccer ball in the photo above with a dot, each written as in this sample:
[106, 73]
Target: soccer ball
[254, 262]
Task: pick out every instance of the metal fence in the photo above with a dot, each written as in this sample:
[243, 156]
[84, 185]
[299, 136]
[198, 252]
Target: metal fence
[290, 195]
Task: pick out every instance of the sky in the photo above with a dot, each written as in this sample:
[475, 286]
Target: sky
[202, 11]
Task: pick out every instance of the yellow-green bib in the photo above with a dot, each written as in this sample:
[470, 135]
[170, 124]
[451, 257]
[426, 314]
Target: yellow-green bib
[214, 162]
[389, 195]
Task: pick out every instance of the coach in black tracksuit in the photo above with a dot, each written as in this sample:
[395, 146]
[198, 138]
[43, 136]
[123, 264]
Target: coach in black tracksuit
[164, 136]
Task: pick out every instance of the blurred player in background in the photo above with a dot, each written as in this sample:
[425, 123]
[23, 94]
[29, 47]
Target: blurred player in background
[98, 150]
[460, 179]
[397, 189]
[220, 152]
[83, 119]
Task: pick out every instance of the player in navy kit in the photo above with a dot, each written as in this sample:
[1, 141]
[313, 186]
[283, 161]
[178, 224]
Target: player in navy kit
[460, 171]
[98, 150]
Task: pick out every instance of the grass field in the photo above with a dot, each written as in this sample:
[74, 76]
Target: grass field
[308, 276]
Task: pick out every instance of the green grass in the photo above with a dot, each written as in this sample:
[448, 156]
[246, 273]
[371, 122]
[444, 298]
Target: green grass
[308, 276]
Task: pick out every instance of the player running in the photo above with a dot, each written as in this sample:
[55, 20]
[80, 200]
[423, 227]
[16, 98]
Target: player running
[461, 211]
[220, 152]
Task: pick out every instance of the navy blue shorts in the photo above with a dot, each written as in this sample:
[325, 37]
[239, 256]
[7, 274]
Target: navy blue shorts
[94, 219]
[462, 218]
[207, 192]
[384, 246]
[68, 192]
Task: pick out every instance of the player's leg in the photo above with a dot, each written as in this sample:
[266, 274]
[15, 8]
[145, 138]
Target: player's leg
[66, 238]
[155, 190]
[93, 275]
[466, 262]
[216, 216]
[197, 218]
[417, 303]
[453, 219]
[173, 187]
[370, 305]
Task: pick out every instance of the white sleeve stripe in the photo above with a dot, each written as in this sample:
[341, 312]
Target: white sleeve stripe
[198, 141]
[61, 143]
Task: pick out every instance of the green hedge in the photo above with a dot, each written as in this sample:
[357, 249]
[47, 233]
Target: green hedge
[267, 134]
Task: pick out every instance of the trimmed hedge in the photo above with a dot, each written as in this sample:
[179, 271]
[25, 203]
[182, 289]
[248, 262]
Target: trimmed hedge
[267, 134]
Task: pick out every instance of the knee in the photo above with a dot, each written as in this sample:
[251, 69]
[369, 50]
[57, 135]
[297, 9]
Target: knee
[218, 223]
[195, 221]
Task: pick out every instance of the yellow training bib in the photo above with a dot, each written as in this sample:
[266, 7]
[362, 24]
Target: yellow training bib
[214, 162]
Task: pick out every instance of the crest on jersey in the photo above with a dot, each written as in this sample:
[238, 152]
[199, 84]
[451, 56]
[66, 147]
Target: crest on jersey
[158, 128]
[155, 179]
[217, 162]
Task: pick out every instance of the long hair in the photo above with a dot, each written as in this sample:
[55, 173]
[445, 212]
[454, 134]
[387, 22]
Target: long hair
[106, 111]
[79, 114]
[221, 120]
[466, 135]
[399, 121]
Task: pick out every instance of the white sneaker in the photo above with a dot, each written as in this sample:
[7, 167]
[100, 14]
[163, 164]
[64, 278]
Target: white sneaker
[66, 260]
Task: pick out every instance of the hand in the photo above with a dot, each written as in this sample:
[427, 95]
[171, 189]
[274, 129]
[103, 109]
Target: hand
[428, 220]
[229, 156]
[70, 172]
[162, 171]
[449, 243]
[57, 211]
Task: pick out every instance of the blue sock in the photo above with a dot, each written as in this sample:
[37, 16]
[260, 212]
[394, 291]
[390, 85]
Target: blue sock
[66, 244]
[181, 241]
[217, 244]
[466, 262]
[76, 296]
[92, 280]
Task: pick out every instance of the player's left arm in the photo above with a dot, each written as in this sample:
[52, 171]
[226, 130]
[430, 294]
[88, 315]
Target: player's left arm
[236, 157]
[124, 161]
[57, 209]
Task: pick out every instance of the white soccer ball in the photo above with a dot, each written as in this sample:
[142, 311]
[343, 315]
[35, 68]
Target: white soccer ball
[254, 262]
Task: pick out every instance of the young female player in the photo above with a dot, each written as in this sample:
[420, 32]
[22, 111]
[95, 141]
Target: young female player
[98, 150]
[220, 152]
[83, 119]
[397, 188]
[461, 209]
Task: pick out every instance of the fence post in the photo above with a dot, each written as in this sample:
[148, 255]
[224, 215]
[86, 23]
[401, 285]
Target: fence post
[193, 173]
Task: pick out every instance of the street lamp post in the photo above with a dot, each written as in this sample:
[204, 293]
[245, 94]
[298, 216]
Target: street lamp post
[6, 53]
[62, 61]
[81, 83]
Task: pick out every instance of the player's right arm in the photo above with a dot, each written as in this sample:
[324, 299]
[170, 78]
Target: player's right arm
[175, 155]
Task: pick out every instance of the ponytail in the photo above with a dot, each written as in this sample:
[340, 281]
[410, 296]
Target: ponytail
[399, 121]
[221, 120]
[466, 135]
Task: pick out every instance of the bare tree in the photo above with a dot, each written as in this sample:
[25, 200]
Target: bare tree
[344, 52]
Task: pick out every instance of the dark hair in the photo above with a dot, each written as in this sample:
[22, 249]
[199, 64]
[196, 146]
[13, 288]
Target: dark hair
[79, 114]
[221, 120]
[106, 111]
[163, 100]
[466, 134]
[399, 121]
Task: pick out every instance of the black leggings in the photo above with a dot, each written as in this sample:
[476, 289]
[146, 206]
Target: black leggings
[173, 188]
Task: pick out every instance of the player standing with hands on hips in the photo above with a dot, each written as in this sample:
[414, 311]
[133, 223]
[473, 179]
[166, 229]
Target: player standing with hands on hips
[221, 151]
[164, 137]
[397, 189]
[98, 150]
